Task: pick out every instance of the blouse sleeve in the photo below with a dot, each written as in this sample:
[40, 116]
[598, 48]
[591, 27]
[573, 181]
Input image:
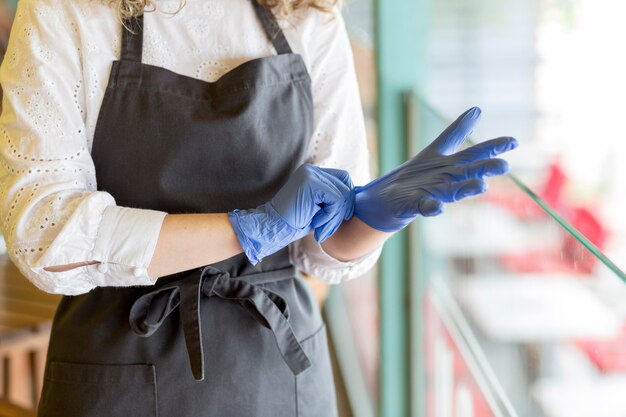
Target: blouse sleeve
[339, 139]
[51, 212]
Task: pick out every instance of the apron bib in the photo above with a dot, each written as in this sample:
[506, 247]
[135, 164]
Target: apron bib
[225, 340]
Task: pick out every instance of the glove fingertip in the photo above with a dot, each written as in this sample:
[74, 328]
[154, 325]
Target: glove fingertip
[512, 142]
[319, 219]
[474, 112]
[473, 187]
[319, 235]
[496, 167]
[324, 232]
[326, 215]
[349, 215]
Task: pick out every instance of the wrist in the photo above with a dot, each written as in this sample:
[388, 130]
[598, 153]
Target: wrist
[371, 212]
[246, 244]
[262, 231]
[354, 239]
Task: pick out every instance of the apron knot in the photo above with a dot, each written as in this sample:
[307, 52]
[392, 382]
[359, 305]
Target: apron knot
[269, 309]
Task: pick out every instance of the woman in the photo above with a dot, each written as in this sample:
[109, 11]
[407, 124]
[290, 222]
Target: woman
[154, 171]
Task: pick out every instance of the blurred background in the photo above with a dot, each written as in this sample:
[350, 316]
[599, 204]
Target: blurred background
[511, 304]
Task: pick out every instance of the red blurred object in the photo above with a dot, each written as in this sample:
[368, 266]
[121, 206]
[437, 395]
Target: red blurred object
[589, 226]
[606, 355]
[525, 208]
[529, 262]
[571, 257]
[553, 187]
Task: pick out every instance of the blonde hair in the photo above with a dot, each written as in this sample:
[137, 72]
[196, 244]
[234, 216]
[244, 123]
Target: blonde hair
[283, 8]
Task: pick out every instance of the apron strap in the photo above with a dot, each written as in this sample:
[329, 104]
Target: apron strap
[132, 43]
[270, 310]
[273, 31]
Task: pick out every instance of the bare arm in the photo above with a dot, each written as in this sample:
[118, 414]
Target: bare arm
[353, 240]
[186, 241]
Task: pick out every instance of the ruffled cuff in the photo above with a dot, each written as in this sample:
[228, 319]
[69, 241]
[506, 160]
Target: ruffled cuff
[309, 256]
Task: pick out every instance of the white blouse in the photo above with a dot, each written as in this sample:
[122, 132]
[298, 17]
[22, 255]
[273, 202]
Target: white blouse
[54, 76]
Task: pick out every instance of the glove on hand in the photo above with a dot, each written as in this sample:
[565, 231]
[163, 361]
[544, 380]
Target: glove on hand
[313, 198]
[434, 176]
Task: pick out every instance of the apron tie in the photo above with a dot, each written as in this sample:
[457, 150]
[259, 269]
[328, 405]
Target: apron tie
[269, 309]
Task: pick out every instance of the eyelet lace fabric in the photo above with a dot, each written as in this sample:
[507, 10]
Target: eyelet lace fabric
[53, 77]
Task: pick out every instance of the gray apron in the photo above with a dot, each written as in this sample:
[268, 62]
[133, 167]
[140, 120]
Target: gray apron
[225, 340]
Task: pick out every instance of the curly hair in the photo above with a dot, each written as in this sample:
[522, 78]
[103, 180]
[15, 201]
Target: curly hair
[130, 8]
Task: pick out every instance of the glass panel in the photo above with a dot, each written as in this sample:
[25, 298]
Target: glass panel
[547, 72]
[520, 314]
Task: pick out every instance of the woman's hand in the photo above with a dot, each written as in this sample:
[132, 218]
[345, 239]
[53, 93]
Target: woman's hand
[435, 176]
[313, 198]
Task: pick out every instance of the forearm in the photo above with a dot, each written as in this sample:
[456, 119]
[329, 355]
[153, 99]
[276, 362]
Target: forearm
[354, 239]
[186, 241]
[192, 240]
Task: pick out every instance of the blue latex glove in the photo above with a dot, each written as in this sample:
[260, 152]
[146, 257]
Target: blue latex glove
[313, 198]
[434, 176]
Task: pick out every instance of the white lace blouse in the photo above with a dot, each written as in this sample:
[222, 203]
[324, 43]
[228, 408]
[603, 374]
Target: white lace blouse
[54, 75]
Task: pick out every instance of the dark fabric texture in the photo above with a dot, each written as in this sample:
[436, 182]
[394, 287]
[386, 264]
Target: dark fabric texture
[228, 339]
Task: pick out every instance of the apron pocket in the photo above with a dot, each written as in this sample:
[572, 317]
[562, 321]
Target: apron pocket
[81, 390]
[315, 385]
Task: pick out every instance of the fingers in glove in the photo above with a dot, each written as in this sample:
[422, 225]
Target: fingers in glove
[487, 149]
[327, 230]
[327, 220]
[455, 191]
[330, 204]
[429, 207]
[340, 181]
[480, 169]
[341, 175]
[450, 139]
[333, 212]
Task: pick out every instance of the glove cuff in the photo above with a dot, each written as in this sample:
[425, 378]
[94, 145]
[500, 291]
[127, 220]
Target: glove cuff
[262, 231]
[235, 217]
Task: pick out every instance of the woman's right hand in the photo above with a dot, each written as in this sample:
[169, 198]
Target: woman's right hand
[439, 174]
[313, 198]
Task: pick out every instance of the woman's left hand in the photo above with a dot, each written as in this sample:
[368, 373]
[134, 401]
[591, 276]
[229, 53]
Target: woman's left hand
[313, 198]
